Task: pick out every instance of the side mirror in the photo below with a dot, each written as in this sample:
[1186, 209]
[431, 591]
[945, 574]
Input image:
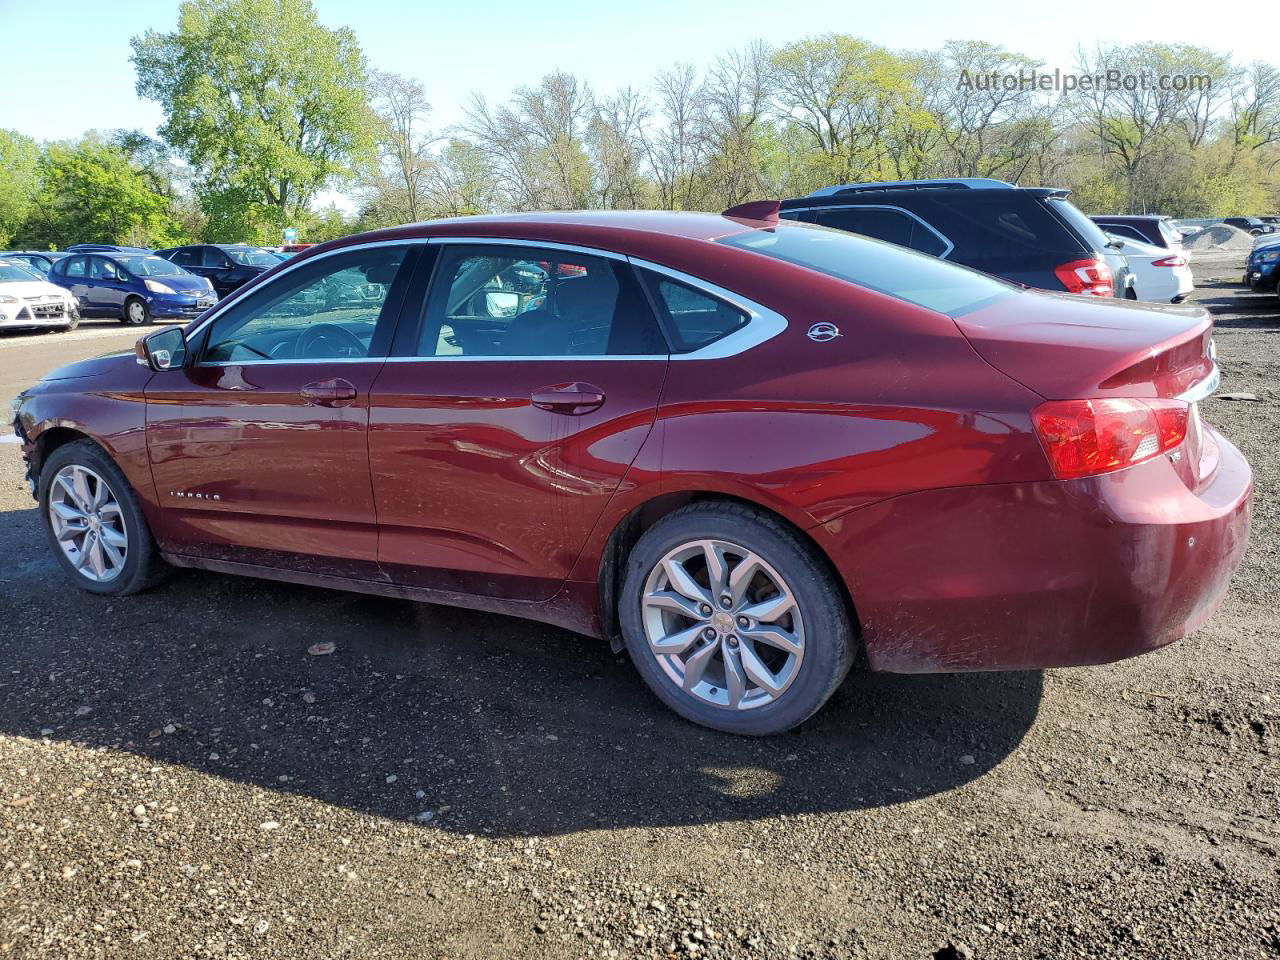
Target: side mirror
[162, 350]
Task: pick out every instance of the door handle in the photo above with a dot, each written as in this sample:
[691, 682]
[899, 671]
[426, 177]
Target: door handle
[329, 393]
[574, 399]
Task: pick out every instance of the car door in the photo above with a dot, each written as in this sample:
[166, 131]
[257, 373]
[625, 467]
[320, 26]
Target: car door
[190, 259]
[217, 266]
[74, 275]
[508, 417]
[108, 286]
[258, 444]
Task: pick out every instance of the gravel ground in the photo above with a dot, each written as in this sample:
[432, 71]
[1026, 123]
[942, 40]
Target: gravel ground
[180, 778]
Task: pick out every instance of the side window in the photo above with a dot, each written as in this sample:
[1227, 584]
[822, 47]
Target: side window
[187, 257]
[503, 301]
[103, 269]
[76, 267]
[328, 309]
[695, 319]
[213, 257]
[885, 224]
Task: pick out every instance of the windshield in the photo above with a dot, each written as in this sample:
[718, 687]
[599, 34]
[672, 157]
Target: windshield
[11, 272]
[884, 267]
[151, 267]
[251, 258]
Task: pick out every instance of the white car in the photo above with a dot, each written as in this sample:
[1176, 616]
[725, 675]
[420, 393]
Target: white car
[29, 301]
[1159, 276]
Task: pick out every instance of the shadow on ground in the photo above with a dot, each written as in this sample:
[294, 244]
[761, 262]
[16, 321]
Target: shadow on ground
[506, 727]
[1236, 306]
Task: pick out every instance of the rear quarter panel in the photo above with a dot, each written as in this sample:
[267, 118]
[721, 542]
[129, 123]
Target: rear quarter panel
[898, 402]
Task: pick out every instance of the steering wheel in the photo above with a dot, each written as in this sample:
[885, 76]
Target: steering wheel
[330, 338]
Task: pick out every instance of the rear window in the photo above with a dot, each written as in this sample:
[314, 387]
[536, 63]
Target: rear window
[885, 223]
[1087, 229]
[1169, 232]
[883, 267]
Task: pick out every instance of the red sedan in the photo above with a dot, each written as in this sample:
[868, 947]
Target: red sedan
[753, 452]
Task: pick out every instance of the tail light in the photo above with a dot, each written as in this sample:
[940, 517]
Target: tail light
[1173, 261]
[1086, 276]
[1083, 438]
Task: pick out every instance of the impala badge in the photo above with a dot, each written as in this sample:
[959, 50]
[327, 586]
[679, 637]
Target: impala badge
[193, 495]
[823, 332]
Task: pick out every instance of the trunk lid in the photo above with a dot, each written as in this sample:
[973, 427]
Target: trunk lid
[1067, 347]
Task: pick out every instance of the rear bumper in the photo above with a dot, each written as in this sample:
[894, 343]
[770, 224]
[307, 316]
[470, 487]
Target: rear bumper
[1044, 574]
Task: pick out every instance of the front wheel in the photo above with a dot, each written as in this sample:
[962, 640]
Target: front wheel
[94, 523]
[136, 312]
[734, 620]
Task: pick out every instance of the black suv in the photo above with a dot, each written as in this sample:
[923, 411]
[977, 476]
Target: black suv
[1030, 235]
[228, 266]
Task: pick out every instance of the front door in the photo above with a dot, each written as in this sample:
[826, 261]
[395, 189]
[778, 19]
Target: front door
[259, 444]
[107, 287]
[498, 437]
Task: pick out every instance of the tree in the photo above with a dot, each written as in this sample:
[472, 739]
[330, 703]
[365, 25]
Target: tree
[89, 191]
[400, 182]
[18, 158]
[536, 143]
[266, 104]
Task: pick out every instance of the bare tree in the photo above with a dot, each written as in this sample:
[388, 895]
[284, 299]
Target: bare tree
[535, 143]
[397, 187]
[617, 142]
[675, 147]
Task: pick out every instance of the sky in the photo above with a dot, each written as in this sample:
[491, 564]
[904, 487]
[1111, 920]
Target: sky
[78, 76]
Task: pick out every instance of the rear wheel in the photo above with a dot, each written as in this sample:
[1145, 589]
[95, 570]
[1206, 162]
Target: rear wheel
[733, 619]
[94, 522]
[136, 312]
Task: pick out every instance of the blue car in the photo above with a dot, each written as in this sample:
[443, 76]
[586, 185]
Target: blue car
[135, 288]
[1260, 270]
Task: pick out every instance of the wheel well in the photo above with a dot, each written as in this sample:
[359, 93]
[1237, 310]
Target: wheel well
[49, 441]
[632, 527]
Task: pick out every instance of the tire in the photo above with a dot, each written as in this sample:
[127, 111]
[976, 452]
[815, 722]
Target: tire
[136, 312]
[117, 514]
[801, 677]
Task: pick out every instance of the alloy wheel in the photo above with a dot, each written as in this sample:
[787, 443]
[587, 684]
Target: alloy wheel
[723, 624]
[88, 523]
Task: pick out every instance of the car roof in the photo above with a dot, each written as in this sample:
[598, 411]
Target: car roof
[619, 230]
[1130, 217]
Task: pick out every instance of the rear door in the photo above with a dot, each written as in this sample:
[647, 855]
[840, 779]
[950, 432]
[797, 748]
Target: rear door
[509, 415]
[259, 446]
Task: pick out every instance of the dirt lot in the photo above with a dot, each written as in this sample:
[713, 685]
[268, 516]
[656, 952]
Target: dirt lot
[178, 778]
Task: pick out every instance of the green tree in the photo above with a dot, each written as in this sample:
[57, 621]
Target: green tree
[266, 104]
[89, 191]
[18, 158]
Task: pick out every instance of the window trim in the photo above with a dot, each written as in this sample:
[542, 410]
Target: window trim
[763, 324]
[205, 327]
[884, 206]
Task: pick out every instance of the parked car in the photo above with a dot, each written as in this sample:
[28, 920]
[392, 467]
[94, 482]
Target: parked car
[136, 288]
[1147, 228]
[1262, 268]
[1251, 225]
[228, 266]
[104, 248]
[1031, 235]
[29, 301]
[748, 450]
[1160, 275]
[38, 260]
